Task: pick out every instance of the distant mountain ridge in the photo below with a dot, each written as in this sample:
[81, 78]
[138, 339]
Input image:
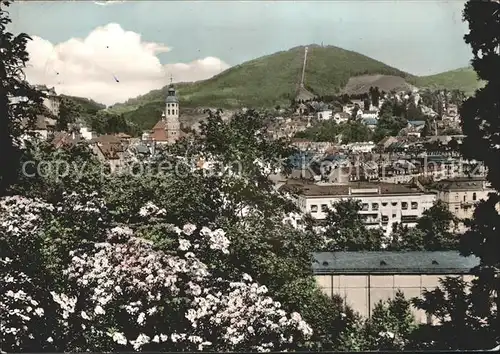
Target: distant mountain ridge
[272, 79]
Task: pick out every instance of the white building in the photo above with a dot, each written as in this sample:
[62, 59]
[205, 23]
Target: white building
[461, 195]
[359, 146]
[324, 115]
[382, 204]
[341, 117]
[348, 108]
[86, 133]
[369, 115]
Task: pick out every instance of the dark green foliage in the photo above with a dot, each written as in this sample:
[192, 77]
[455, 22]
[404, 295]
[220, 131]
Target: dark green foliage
[481, 124]
[391, 120]
[106, 122]
[366, 104]
[390, 325]
[433, 232]
[321, 131]
[355, 131]
[69, 112]
[346, 230]
[47, 172]
[27, 100]
[88, 106]
[458, 324]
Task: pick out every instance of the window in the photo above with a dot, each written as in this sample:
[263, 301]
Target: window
[168, 112]
[393, 216]
[465, 198]
[324, 208]
[314, 208]
[384, 204]
[414, 205]
[364, 207]
[394, 203]
[456, 196]
[404, 205]
[374, 206]
[474, 196]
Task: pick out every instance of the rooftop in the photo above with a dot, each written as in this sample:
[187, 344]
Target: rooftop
[417, 262]
[461, 184]
[352, 189]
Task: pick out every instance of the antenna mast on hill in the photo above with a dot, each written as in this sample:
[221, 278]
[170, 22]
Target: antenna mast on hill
[171, 79]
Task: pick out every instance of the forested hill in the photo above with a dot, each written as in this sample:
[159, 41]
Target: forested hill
[273, 79]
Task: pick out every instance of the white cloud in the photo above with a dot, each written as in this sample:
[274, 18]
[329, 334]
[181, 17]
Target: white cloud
[88, 67]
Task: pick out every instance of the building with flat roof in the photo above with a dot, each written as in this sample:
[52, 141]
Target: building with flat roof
[383, 204]
[363, 279]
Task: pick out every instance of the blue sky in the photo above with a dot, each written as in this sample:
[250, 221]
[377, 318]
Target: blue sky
[421, 37]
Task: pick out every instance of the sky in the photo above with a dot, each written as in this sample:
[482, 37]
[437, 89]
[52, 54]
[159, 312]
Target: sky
[118, 50]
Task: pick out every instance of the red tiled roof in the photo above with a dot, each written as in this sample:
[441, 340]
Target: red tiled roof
[63, 138]
[160, 125]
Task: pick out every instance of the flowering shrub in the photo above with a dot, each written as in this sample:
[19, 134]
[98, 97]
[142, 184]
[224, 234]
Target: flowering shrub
[119, 292]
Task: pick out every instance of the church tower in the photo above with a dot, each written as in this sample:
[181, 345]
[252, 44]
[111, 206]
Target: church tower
[172, 125]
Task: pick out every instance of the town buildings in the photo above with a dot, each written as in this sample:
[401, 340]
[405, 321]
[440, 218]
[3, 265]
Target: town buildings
[382, 204]
[110, 149]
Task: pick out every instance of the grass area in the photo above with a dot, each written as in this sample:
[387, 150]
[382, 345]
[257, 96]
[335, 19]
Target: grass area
[464, 79]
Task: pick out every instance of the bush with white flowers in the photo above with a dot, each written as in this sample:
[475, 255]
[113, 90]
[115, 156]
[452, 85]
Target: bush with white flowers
[122, 293]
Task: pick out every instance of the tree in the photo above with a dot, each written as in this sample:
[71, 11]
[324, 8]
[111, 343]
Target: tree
[366, 104]
[18, 100]
[413, 112]
[457, 325]
[355, 131]
[375, 96]
[69, 112]
[118, 292]
[105, 122]
[480, 116]
[241, 201]
[321, 131]
[433, 232]
[404, 238]
[346, 230]
[391, 120]
[354, 113]
[390, 325]
[435, 225]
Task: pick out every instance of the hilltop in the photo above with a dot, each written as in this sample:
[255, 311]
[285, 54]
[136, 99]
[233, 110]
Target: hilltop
[274, 80]
[89, 107]
[464, 79]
